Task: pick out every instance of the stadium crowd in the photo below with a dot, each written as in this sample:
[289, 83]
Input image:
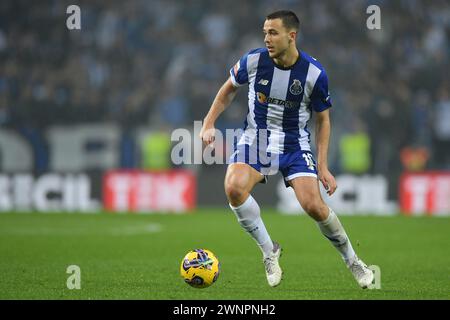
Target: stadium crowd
[162, 61]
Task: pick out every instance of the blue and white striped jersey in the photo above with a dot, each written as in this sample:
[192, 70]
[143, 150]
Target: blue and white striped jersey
[280, 100]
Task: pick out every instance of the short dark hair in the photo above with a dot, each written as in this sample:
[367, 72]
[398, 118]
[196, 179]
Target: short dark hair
[289, 19]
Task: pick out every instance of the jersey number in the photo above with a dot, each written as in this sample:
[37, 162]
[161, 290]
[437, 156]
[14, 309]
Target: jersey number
[309, 160]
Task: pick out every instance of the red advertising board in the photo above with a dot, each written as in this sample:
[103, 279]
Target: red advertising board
[425, 193]
[146, 191]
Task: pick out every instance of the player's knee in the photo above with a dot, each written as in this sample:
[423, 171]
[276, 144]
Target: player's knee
[308, 206]
[234, 193]
[315, 209]
[235, 190]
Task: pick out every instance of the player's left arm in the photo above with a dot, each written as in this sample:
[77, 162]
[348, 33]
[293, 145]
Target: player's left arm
[323, 130]
[321, 103]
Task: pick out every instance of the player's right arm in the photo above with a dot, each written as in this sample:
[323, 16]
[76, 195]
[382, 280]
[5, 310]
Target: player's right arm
[223, 99]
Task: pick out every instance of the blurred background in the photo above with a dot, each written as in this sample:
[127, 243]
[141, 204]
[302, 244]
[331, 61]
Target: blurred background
[79, 107]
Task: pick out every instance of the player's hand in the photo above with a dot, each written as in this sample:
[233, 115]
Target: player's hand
[207, 134]
[328, 181]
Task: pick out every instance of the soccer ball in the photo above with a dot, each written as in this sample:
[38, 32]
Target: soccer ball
[200, 268]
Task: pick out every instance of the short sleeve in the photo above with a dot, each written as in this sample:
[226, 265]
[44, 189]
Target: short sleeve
[320, 97]
[239, 73]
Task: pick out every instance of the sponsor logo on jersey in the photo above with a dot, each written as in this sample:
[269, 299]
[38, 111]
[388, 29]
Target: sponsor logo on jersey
[284, 103]
[263, 82]
[261, 97]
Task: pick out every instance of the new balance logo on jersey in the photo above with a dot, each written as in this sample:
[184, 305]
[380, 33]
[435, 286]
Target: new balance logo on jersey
[263, 82]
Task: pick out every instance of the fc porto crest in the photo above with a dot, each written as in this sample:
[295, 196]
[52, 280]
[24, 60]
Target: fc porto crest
[296, 87]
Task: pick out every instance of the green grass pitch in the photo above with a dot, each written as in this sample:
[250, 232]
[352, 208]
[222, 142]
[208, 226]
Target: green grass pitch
[126, 256]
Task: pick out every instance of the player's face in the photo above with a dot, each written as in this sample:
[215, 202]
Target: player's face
[276, 37]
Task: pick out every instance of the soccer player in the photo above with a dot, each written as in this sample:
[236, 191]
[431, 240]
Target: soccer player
[285, 87]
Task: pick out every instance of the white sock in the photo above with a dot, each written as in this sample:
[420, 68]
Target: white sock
[332, 229]
[249, 217]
